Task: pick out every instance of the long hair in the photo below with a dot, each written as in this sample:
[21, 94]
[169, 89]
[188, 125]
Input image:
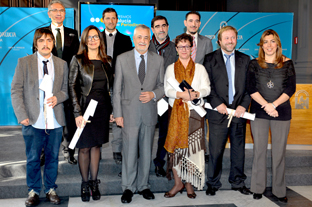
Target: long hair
[279, 59]
[83, 48]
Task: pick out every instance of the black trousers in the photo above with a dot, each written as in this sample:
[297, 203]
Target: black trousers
[218, 135]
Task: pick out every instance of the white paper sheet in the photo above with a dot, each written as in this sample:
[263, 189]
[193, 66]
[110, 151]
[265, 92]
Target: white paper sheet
[89, 112]
[47, 85]
[175, 85]
[247, 115]
[162, 107]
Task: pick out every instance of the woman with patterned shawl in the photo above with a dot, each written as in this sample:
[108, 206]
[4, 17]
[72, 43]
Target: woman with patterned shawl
[185, 139]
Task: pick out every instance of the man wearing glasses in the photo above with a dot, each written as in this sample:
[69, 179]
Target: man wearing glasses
[162, 45]
[66, 46]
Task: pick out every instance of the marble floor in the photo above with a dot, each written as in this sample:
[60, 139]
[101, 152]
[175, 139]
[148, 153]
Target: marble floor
[298, 196]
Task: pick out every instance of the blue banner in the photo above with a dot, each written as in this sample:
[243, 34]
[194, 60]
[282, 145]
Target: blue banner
[17, 30]
[250, 27]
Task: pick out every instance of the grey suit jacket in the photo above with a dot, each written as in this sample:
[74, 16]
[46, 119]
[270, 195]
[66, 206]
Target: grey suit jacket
[128, 88]
[204, 46]
[25, 89]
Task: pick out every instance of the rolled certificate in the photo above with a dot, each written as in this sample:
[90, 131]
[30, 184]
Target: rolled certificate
[246, 115]
[89, 112]
[175, 85]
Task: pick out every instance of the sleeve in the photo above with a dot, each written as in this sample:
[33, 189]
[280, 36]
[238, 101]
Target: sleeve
[63, 94]
[251, 78]
[169, 90]
[291, 81]
[159, 89]
[118, 85]
[73, 73]
[204, 89]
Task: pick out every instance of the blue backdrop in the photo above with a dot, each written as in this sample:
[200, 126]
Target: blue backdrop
[250, 27]
[17, 30]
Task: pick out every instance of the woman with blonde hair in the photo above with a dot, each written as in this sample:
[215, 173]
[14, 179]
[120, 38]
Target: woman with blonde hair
[271, 81]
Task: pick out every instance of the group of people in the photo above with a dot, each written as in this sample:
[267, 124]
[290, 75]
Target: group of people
[127, 82]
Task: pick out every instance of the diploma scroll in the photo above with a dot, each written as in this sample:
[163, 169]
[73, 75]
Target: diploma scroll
[175, 84]
[246, 115]
[46, 86]
[89, 112]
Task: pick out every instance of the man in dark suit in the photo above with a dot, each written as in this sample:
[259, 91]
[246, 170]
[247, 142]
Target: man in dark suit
[227, 69]
[138, 85]
[66, 46]
[162, 45]
[32, 107]
[115, 44]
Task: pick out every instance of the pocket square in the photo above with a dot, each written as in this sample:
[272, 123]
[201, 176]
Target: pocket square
[72, 34]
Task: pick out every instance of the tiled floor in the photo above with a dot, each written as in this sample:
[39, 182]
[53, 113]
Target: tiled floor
[298, 196]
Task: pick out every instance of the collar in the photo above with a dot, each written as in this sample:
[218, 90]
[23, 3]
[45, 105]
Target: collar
[195, 35]
[53, 27]
[137, 54]
[41, 58]
[114, 32]
[233, 52]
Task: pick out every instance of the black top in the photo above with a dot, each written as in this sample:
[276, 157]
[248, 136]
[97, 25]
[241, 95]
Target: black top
[271, 83]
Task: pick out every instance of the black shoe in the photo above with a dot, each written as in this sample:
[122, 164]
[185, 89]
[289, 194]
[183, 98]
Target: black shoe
[94, 186]
[206, 158]
[71, 160]
[33, 199]
[117, 157]
[243, 190]
[126, 196]
[257, 196]
[147, 194]
[160, 172]
[283, 199]
[211, 191]
[85, 193]
[120, 174]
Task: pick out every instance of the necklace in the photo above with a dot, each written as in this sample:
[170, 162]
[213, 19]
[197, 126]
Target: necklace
[270, 84]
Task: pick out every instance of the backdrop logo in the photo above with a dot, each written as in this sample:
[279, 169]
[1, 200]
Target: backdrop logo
[302, 100]
[223, 24]
[7, 34]
[95, 19]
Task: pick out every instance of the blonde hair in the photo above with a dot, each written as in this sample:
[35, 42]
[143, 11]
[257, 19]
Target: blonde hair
[223, 29]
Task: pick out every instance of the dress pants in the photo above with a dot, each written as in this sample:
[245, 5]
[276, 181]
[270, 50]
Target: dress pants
[163, 129]
[135, 170]
[218, 135]
[35, 140]
[117, 138]
[260, 131]
[70, 127]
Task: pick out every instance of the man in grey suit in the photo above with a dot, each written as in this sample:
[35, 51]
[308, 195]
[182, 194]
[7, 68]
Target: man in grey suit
[139, 76]
[30, 109]
[162, 45]
[203, 44]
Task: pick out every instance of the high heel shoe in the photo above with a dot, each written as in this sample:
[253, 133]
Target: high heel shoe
[192, 196]
[85, 193]
[94, 186]
[169, 195]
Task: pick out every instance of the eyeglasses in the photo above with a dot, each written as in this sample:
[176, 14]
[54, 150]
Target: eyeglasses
[57, 10]
[95, 37]
[184, 47]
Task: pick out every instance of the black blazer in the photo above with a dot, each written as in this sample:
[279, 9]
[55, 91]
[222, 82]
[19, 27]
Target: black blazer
[71, 44]
[122, 44]
[215, 66]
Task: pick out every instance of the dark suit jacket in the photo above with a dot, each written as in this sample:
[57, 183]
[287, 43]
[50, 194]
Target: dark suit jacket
[71, 44]
[215, 66]
[122, 44]
[169, 53]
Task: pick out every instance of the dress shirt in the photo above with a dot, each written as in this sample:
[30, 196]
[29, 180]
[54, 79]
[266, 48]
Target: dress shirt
[53, 28]
[110, 42]
[40, 123]
[196, 37]
[232, 61]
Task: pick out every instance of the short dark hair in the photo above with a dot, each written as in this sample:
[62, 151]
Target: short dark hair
[192, 12]
[185, 37]
[108, 10]
[38, 34]
[159, 17]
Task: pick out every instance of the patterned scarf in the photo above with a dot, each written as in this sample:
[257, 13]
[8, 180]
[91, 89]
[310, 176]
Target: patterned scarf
[177, 136]
[159, 46]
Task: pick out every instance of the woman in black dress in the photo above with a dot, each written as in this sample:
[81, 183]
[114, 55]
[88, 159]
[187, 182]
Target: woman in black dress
[90, 77]
[271, 81]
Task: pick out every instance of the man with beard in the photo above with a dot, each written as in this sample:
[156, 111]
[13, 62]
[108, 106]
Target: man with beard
[115, 44]
[227, 69]
[138, 84]
[162, 45]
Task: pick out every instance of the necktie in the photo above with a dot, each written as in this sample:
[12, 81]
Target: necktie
[59, 43]
[142, 69]
[229, 73]
[45, 71]
[194, 49]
